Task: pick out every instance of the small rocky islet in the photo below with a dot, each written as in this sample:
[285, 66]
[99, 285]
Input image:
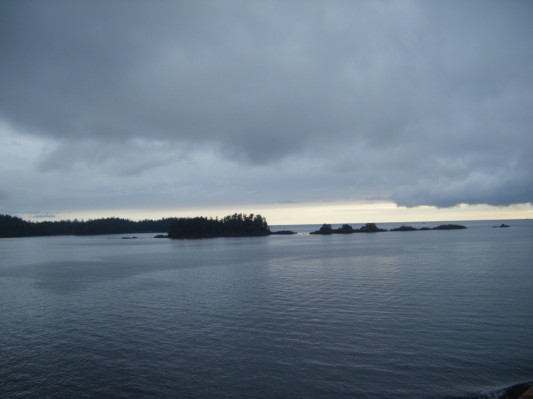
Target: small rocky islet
[501, 226]
[327, 229]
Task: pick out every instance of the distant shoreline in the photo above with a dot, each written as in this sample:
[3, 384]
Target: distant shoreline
[236, 225]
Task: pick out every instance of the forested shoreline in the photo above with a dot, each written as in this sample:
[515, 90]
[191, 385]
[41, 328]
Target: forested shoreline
[13, 226]
[236, 225]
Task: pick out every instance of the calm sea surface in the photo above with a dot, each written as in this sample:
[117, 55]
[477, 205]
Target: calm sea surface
[435, 314]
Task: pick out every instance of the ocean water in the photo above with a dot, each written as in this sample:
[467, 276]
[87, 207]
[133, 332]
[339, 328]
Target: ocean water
[435, 314]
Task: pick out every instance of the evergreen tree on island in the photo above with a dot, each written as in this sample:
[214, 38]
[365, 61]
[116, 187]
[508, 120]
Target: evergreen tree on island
[236, 225]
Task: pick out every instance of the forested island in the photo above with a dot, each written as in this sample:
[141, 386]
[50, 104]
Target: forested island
[236, 225]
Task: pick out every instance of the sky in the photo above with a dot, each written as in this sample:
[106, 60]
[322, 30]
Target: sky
[303, 111]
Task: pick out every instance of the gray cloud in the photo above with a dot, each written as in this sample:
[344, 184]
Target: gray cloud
[421, 103]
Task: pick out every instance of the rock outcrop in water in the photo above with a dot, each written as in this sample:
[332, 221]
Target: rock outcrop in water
[405, 228]
[370, 228]
[283, 233]
[449, 227]
[440, 227]
[326, 229]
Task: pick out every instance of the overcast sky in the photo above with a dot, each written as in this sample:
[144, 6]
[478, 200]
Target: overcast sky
[139, 105]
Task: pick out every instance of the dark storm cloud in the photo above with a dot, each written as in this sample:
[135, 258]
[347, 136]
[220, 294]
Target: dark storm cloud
[417, 102]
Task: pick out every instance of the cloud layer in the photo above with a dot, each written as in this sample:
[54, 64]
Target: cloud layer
[179, 103]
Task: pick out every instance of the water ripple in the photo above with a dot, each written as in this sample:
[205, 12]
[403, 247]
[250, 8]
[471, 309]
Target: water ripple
[367, 317]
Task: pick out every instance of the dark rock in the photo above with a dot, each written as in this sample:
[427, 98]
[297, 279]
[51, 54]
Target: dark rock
[371, 228]
[405, 228]
[345, 229]
[326, 229]
[161, 236]
[518, 391]
[129, 238]
[502, 225]
[283, 233]
[449, 227]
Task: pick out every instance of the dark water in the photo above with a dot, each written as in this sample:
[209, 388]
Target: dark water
[438, 314]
